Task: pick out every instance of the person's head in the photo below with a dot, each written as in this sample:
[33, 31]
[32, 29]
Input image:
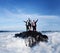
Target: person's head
[29, 20]
[33, 20]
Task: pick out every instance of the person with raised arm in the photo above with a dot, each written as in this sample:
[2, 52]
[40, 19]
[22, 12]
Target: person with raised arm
[34, 24]
[29, 24]
[27, 27]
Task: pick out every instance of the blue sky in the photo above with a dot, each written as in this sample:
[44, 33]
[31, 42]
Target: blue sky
[14, 12]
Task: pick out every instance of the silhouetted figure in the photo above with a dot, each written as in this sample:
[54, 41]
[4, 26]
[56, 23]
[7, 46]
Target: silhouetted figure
[27, 27]
[29, 23]
[34, 24]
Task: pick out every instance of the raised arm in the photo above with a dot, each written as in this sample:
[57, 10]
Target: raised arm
[36, 20]
[25, 21]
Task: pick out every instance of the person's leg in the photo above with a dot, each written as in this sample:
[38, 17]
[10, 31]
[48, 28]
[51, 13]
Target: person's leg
[27, 28]
[33, 28]
[30, 27]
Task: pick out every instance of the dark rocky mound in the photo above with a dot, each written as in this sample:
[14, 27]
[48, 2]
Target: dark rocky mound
[34, 35]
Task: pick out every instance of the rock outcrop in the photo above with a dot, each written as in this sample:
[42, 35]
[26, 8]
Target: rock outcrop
[32, 36]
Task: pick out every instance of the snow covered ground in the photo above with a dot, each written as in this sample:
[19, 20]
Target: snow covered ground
[9, 44]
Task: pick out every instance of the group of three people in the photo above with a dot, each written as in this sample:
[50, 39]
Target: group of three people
[31, 25]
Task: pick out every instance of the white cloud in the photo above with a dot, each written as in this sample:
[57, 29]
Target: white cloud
[21, 14]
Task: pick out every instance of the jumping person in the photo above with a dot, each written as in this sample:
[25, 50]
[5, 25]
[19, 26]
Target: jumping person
[34, 24]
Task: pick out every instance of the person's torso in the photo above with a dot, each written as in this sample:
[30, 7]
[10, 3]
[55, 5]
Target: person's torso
[33, 24]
